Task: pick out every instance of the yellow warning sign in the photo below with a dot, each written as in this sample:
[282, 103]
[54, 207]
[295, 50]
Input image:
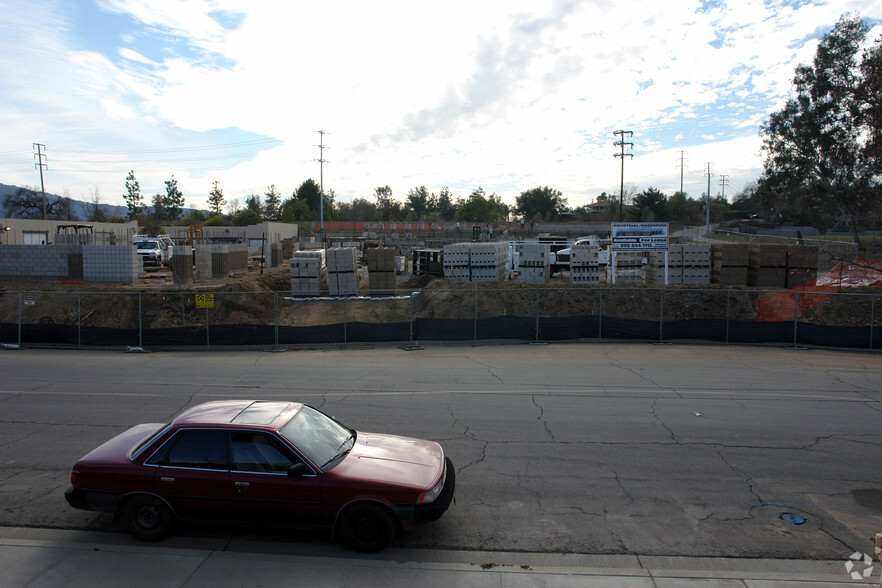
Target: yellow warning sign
[205, 301]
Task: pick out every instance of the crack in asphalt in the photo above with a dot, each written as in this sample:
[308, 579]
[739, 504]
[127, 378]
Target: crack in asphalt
[541, 417]
[622, 486]
[748, 479]
[654, 410]
[489, 369]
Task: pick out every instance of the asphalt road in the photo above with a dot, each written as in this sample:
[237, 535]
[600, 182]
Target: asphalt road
[572, 448]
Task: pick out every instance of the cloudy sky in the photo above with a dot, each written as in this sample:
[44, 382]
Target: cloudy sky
[502, 95]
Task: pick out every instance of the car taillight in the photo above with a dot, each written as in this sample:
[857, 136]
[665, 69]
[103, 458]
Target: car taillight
[73, 477]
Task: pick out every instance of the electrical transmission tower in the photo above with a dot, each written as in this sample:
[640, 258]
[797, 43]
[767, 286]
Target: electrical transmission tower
[709, 173]
[623, 144]
[39, 156]
[682, 166]
[321, 161]
[724, 181]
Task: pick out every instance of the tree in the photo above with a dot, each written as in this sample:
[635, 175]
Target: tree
[246, 217]
[27, 202]
[479, 208]
[96, 214]
[651, 205]
[544, 201]
[271, 206]
[159, 213]
[684, 209]
[215, 199]
[254, 204]
[173, 201]
[311, 193]
[821, 149]
[385, 204]
[418, 201]
[133, 198]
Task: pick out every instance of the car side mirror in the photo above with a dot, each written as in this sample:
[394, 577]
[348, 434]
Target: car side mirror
[298, 470]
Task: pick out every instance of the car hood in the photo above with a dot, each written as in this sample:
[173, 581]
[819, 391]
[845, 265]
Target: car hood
[402, 461]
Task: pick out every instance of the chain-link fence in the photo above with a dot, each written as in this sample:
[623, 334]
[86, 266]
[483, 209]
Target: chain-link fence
[470, 312]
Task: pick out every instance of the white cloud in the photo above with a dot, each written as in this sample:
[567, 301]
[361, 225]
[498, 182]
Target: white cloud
[506, 96]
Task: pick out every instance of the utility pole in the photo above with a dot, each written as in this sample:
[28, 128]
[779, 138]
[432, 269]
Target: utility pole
[709, 173]
[321, 161]
[723, 183]
[682, 166]
[622, 144]
[39, 155]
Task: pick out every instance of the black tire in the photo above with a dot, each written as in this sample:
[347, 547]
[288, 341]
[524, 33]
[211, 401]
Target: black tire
[367, 528]
[148, 518]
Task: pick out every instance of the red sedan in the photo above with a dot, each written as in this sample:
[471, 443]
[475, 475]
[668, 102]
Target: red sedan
[270, 462]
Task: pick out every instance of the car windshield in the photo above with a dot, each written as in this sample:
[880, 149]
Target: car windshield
[322, 439]
[147, 245]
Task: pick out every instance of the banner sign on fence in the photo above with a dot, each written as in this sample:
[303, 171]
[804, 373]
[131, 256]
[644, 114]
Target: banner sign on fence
[30, 300]
[205, 301]
[639, 236]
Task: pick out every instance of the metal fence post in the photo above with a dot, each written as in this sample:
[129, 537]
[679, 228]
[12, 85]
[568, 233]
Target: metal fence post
[728, 292]
[20, 294]
[476, 312]
[661, 316]
[600, 316]
[140, 323]
[344, 322]
[795, 314]
[411, 319]
[276, 319]
[79, 320]
[872, 318]
[207, 331]
[537, 315]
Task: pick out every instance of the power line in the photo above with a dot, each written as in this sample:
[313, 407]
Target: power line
[724, 181]
[622, 144]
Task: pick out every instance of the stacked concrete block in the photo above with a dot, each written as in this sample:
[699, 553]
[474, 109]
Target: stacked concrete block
[767, 265]
[342, 265]
[688, 264]
[41, 262]
[802, 265]
[181, 264]
[238, 255]
[729, 264]
[289, 246]
[381, 269]
[534, 263]
[203, 262]
[584, 264]
[118, 264]
[476, 262]
[309, 274]
[628, 267]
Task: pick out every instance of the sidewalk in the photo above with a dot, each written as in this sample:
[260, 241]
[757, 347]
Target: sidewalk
[44, 558]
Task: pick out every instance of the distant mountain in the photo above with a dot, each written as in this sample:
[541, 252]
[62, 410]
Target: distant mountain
[79, 208]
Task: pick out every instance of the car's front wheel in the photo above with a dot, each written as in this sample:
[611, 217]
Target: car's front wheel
[148, 518]
[367, 528]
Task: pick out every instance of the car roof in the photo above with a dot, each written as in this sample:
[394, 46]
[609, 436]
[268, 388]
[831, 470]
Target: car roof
[263, 413]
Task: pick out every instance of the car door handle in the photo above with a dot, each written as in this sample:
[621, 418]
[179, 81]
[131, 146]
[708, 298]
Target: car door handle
[165, 480]
[242, 484]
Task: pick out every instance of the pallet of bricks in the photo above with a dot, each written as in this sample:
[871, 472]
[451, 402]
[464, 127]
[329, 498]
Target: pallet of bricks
[342, 264]
[476, 262]
[584, 266]
[534, 263]
[729, 264]
[628, 268]
[782, 266]
[688, 264]
[309, 274]
[381, 269]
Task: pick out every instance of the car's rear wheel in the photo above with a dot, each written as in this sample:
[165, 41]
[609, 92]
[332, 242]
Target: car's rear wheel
[148, 518]
[367, 528]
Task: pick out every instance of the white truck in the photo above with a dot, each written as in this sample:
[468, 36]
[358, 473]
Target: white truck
[154, 251]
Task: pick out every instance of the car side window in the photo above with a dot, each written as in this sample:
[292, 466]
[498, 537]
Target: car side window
[259, 452]
[196, 448]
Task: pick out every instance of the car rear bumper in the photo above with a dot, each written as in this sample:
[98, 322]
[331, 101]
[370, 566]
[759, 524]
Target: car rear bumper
[419, 514]
[93, 499]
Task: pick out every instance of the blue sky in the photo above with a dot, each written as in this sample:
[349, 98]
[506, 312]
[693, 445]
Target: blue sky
[502, 95]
